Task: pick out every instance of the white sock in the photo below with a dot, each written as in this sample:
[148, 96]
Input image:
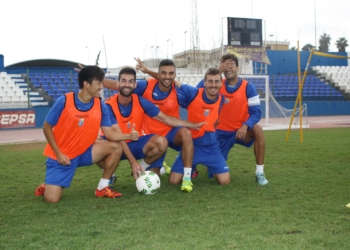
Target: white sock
[162, 171]
[187, 172]
[143, 164]
[103, 183]
[259, 169]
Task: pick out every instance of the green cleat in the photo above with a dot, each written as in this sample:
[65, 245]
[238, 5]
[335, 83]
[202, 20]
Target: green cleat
[167, 168]
[187, 185]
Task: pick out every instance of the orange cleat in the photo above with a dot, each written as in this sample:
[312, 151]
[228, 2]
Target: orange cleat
[107, 192]
[39, 191]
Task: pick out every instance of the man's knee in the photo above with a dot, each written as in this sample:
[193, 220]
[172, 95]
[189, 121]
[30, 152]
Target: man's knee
[162, 143]
[258, 132]
[52, 193]
[185, 136]
[223, 179]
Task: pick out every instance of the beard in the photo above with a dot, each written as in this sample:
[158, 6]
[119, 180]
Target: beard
[124, 93]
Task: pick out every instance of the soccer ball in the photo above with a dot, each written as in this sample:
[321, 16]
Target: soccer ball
[148, 183]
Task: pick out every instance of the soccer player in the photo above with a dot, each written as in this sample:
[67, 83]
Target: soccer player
[239, 115]
[203, 105]
[165, 95]
[128, 109]
[71, 128]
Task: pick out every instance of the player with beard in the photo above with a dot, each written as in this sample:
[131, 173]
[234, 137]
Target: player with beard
[161, 91]
[203, 105]
[239, 115]
[130, 111]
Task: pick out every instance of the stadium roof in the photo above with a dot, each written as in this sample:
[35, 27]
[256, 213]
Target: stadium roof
[48, 63]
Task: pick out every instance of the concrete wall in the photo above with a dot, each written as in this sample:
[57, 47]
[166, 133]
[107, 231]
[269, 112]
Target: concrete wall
[285, 62]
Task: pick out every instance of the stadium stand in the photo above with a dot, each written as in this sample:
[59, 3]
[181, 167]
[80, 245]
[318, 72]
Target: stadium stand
[14, 92]
[337, 76]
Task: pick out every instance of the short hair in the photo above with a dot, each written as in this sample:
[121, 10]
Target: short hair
[90, 73]
[229, 57]
[166, 62]
[128, 71]
[212, 71]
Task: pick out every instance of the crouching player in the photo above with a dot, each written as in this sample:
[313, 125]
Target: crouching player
[71, 128]
[203, 106]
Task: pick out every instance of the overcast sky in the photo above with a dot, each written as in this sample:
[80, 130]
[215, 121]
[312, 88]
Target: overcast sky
[77, 30]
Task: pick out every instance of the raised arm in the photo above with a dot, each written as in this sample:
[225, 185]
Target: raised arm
[141, 66]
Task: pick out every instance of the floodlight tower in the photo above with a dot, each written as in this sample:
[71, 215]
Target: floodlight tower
[194, 36]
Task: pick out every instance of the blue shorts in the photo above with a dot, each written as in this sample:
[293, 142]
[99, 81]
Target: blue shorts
[208, 155]
[59, 175]
[170, 136]
[136, 148]
[227, 141]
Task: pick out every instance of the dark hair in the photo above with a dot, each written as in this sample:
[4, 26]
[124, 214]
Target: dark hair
[212, 71]
[166, 62]
[229, 57]
[128, 71]
[90, 73]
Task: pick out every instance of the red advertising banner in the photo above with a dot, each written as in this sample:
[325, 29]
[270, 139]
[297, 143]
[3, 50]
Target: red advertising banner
[17, 119]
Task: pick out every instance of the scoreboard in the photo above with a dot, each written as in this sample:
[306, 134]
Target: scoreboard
[244, 32]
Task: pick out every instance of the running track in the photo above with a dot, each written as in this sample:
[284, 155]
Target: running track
[36, 135]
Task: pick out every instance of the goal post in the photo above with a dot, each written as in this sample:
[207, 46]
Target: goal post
[273, 115]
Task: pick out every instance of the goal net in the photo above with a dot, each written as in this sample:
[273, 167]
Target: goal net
[273, 115]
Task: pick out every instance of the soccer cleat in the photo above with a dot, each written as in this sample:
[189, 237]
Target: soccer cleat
[112, 180]
[195, 173]
[39, 191]
[107, 192]
[167, 168]
[260, 178]
[186, 185]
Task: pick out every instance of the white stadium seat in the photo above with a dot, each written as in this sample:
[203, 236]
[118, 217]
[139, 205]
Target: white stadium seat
[15, 98]
[6, 99]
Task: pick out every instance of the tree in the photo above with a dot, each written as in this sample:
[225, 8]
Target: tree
[341, 44]
[324, 42]
[307, 47]
[98, 58]
[293, 48]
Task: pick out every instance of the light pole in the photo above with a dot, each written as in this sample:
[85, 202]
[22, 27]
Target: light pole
[167, 49]
[271, 41]
[156, 56]
[88, 54]
[185, 48]
[152, 55]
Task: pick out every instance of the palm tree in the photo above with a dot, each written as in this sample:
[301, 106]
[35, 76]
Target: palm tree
[324, 41]
[307, 47]
[341, 44]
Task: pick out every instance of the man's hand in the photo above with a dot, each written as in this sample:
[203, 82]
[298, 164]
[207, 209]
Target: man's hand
[80, 67]
[241, 132]
[140, 65]
[62, 159]
[134, 135]
[223, 66]
[197, 126]
[136, 169]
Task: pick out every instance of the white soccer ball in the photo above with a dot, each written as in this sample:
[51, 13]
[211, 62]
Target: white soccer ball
[148, 183]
